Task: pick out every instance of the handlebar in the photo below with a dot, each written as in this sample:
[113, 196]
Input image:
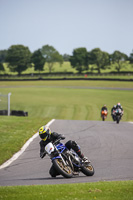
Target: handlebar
[58, 140]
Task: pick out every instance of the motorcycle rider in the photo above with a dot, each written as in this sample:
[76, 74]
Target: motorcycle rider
[118, 106]
[47, 136]
[113, 112]
[104, 108]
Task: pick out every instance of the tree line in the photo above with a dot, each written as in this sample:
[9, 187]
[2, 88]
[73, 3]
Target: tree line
[19, 58]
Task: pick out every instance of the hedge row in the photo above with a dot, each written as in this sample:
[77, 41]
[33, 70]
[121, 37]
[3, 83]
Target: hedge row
[70, 73]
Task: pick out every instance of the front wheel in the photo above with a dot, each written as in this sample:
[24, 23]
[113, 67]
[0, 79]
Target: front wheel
[64, 170]
[103, 117]
[88, 170]
[117, 120]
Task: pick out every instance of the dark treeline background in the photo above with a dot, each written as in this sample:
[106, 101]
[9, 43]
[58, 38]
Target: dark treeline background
[19, 58]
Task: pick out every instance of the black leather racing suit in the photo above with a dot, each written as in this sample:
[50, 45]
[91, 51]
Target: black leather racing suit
[104, 108]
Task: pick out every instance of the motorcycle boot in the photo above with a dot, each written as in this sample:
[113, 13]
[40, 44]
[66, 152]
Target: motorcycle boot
[85, 160]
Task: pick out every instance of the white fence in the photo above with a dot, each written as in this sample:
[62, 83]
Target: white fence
[5, 103]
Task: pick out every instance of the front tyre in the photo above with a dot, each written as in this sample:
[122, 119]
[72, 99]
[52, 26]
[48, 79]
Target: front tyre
[88, 170]
[62, 169]
[103, 118]
[117, 120]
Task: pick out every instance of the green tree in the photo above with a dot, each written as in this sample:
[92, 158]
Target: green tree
[3, 54]
[100, 58]
[131, 57]
[38, 60]
[118, 59]
[2, 67]
[79, 59]
[18, 58]
[51, 56]
[66, 57]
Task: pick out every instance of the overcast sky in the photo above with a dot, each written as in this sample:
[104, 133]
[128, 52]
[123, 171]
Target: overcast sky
[67, 24]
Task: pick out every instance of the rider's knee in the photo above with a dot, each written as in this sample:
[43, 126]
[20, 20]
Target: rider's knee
[72, 145]
[69, 144]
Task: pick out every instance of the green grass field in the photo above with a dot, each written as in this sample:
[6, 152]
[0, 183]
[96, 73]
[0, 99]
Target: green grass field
[121, 190]
[66, 67]
[45, 100]
[68, 83]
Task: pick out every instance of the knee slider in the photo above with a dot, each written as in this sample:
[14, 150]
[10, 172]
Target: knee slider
[74, 144]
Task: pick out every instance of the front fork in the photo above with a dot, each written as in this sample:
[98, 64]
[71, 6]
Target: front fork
[68, 159]
[56, 154]
[64, 163]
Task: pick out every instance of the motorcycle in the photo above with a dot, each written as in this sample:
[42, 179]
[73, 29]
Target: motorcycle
[117, 115]
[104, 114]
[66, 162]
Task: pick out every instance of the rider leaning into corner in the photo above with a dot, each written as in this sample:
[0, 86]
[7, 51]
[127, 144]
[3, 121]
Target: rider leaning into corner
[47, 136]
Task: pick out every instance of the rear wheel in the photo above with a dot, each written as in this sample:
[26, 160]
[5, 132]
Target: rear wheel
[88, 170]
[64, 170]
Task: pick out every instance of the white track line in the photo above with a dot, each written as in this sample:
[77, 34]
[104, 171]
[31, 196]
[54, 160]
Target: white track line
[131, 122]
[16, 155]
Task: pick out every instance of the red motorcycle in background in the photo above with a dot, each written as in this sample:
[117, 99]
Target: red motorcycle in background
[104, 114]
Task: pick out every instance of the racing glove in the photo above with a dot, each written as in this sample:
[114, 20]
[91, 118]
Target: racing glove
[62, 137]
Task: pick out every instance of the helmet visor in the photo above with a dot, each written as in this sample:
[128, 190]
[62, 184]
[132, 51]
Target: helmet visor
[43, 135]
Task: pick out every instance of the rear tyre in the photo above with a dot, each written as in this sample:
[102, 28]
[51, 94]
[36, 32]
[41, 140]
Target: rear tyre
[65, 171]
[88, 170]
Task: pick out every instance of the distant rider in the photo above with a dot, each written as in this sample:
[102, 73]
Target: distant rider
[113, 112]
[47, 136]
[118, 106]
[103, 109]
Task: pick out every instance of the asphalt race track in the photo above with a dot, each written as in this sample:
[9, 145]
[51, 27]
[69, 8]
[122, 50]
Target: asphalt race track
[108, 145]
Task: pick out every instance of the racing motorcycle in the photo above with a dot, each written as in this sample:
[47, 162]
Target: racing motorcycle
[117, 115]
[66, 162]
[104, 114]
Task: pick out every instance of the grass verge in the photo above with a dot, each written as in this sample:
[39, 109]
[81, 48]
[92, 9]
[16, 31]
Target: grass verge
[120, 190]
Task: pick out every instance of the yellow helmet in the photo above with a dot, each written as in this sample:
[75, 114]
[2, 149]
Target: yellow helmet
[44, 132]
